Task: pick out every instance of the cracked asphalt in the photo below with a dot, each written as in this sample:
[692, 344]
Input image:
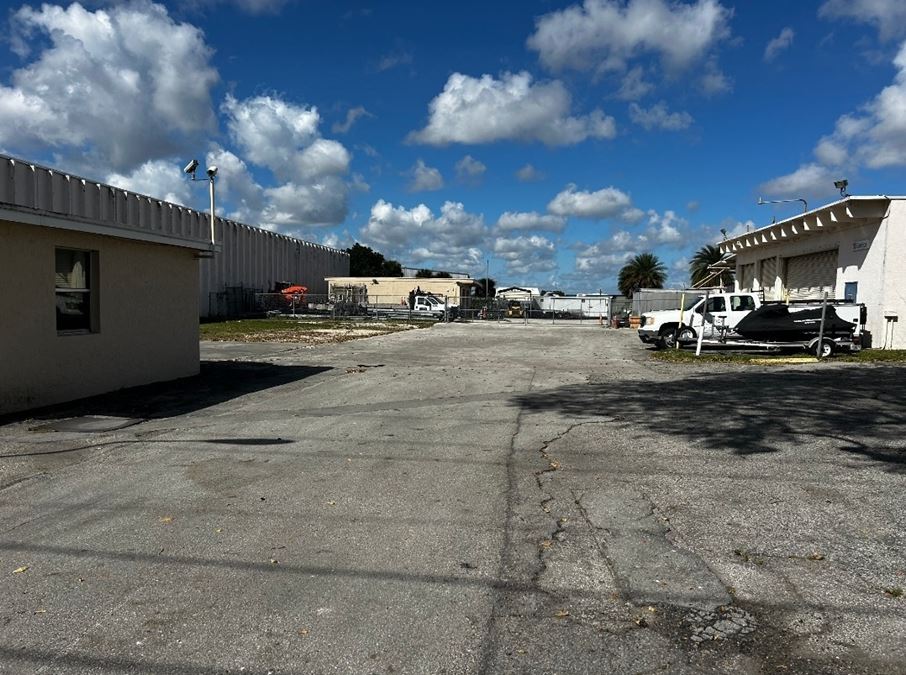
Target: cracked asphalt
[498, 498]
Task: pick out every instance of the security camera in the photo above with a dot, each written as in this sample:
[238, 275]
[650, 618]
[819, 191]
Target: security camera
[212, 171]
[191, 166]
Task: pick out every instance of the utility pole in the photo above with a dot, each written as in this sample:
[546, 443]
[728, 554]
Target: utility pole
[487, 272]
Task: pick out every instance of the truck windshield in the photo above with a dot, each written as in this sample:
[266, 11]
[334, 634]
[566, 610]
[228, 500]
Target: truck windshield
[691, 302]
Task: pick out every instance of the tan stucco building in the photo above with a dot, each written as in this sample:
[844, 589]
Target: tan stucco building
[100, 287]
[850, 249]
[395, 290]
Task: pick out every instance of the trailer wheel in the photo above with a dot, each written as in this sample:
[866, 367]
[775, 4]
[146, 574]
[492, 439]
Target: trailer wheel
[825, 349]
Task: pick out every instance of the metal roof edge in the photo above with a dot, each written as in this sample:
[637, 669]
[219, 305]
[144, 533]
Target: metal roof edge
[811, 212]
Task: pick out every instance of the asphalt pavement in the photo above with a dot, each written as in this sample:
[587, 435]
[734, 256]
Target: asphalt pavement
[469, 498]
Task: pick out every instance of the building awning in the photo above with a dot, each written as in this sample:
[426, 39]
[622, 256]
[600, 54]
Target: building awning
[844, 212]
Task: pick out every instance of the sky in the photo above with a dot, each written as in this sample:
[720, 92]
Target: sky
[545, 141]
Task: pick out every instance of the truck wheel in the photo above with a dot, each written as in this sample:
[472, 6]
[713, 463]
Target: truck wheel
[686, 334]
[825, 349]
[666, 339]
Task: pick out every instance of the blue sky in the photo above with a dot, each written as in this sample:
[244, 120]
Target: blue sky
[554, 139]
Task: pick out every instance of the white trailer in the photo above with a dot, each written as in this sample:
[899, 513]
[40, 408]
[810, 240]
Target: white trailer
[586, 306]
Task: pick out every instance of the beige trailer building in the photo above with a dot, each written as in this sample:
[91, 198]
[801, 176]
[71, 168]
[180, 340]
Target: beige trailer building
[850, 249]
[100, 287]
[395, 290]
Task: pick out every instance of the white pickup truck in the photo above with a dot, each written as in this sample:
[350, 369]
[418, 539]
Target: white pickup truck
[663, 328]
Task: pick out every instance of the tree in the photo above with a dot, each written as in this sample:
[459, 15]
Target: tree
[391, 268]
[443, 275]
[365, 262]
[424, 274]
[643, 271]
[698, 268]
[478, 288]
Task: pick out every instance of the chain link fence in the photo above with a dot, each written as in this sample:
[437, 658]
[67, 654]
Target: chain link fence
[243, 302]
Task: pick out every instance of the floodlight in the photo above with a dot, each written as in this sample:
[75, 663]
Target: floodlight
[191, 166]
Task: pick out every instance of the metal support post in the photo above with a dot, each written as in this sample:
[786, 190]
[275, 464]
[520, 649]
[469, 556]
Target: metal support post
[819, 349]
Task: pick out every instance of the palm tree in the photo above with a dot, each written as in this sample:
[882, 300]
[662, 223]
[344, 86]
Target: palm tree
[643, 271]
[703, 259]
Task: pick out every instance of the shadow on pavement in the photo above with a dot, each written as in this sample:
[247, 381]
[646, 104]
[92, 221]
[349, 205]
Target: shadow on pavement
[862, 411]
[218, 381]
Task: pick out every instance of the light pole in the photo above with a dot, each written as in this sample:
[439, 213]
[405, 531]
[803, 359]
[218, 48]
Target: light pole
[762, 202]
[190, 169]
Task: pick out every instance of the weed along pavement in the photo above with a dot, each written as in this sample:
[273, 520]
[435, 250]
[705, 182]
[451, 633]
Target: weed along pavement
[462, 499]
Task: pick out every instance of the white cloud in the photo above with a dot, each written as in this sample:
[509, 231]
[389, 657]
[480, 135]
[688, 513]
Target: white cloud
[632, 215]
[604, 35]
[529, 174]
[831, 153]
[634, 86]
[159, 179]
[888, 16]
[236, 185]
[608, 202]
[469, 169]
[424, 178]
[487, 109]
[352, 115]
[665, 229]
[601, 261]
[392, 60]
[874, 137]
[113, 88]
[323, 157]
[779, 44]
[284, 138]
[530, 220]
[525, 256]
[714, 81]
[806, 181]
[318, 204]
[604, 259]
[658, 117]
[258, 6]
[271, 131]
[455, 239]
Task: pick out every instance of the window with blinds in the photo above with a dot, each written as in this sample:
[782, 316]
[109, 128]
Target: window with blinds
[75, 297]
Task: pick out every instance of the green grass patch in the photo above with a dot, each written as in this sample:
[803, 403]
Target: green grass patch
[789, 357]
[300, 330]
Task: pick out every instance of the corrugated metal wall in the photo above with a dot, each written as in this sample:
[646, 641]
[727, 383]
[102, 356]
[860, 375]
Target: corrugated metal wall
[256, 258]
[41, 189]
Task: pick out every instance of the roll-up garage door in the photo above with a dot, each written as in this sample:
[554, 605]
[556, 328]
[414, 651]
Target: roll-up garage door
[809, 276]
[746, 276]
[767, 276]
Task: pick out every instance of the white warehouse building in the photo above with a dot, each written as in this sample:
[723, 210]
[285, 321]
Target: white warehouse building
[252, 260]
[852, 248]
